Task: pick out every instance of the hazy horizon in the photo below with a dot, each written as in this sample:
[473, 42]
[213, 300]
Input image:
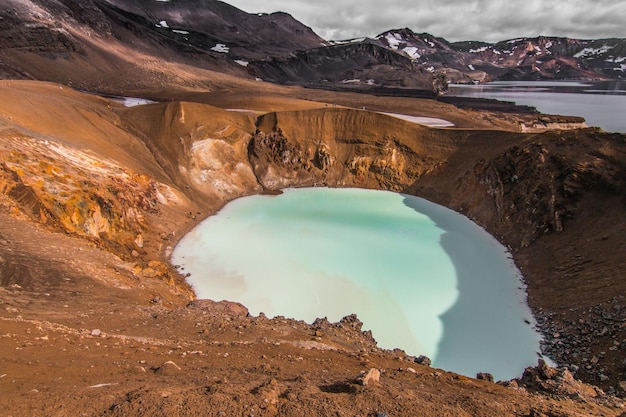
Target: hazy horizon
[454, 20]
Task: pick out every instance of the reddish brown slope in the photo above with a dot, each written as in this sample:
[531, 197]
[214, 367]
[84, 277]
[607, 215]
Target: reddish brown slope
[104, 197]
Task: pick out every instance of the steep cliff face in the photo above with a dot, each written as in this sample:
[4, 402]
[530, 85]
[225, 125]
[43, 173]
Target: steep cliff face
[341, 147]
[533, 188]
[199, 146]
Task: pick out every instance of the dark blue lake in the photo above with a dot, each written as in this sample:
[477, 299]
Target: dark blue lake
[602, 104]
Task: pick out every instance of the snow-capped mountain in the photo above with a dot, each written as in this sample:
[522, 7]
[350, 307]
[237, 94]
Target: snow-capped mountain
[420, 56]
[550, 57]
[91, 42]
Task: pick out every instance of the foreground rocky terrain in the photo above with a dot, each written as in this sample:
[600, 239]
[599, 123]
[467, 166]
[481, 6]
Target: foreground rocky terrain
[94, 319]
[94, 195]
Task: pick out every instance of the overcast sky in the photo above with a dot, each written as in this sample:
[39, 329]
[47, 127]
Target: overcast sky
[455, 20]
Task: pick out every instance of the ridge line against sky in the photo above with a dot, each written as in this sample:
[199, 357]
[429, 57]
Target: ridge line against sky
[454, 20]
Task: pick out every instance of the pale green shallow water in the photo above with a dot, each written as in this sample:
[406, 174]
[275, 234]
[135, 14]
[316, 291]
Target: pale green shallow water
[420, 276]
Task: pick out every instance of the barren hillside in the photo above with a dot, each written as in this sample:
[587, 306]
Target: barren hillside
[95, 195]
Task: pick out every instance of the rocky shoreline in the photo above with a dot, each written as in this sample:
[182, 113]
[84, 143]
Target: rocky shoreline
[573, 340]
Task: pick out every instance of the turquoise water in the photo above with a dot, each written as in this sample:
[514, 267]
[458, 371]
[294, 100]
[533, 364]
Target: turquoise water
[421, 277]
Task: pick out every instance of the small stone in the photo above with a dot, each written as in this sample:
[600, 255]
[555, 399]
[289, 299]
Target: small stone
[622, 385]
[96, 332]
[603, 378]
[168, 368]
[139, 369]
[411, 370]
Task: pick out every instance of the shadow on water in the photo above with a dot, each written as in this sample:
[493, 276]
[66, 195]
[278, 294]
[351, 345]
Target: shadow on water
[488, 329]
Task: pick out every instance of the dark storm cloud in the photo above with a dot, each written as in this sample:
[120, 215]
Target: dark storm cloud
[487, 20]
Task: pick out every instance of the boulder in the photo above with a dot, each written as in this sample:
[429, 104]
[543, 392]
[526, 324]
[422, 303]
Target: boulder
[423, 360]
[484, 376]
[227, 308]
[168, 368]
[371, 377]
[543, 378]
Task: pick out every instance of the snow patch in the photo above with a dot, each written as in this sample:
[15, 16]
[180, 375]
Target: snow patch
[515, 40]
[347, 41]
[411, 51]
[475, 51]
[221, 48]
[132, 101]
[425, 121]
[240, 110]
[393, 39]
[371, 81]
[430, 69]
[352, 81]
[589, 52]
[162, 24]
[549, 44]
[242, 62]
[471, 67]
[182, 32]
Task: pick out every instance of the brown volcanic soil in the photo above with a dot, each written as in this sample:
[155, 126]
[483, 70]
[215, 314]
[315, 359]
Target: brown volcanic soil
[90, 312]
[79, 338]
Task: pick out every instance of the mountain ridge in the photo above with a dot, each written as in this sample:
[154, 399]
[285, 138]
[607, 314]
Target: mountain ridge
[212, 35]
